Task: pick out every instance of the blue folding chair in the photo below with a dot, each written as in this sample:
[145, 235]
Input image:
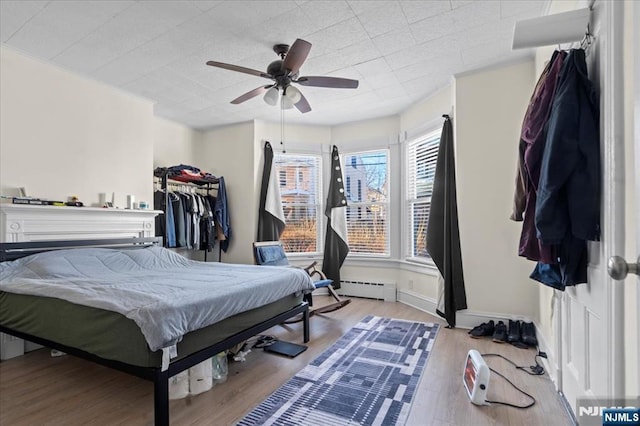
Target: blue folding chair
[271, 253]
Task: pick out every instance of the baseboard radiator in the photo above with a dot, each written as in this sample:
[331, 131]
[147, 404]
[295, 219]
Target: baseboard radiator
[369, 290]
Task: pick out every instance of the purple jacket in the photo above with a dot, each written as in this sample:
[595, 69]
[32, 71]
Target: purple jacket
[534, 132]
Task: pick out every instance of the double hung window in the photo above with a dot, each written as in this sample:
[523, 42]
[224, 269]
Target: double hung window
[300, 189]
[367, 177]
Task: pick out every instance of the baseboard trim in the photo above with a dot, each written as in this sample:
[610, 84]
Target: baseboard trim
[464, 319]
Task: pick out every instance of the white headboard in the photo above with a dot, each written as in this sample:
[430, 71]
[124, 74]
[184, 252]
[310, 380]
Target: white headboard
[39, 223]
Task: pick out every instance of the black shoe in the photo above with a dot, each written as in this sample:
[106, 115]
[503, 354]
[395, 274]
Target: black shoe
[514, 331]
[500, 333]
[484, 329]
[529, 334]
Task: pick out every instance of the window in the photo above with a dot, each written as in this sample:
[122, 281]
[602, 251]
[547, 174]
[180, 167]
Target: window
[368, 213]
[422, 154]
[300, 201]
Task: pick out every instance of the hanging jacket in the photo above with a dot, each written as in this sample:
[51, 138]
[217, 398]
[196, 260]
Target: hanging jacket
[533, 124]
[221, 214]
[568, 205]
[533, 137]
[569, 187]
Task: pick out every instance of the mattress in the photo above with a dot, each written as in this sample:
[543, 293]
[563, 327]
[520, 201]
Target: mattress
[111, 335]
[167, 295]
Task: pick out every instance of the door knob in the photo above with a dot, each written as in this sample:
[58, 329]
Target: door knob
[618, 268]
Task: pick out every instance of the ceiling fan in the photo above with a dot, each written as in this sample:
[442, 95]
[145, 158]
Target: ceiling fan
[283, 72]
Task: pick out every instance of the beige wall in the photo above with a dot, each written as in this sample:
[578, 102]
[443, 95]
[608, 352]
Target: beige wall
[230, 151]
[64, 135]
[488, 110]
[427, 110]
[173, 143]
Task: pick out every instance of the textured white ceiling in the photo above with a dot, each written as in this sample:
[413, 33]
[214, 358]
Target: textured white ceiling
[400, 51]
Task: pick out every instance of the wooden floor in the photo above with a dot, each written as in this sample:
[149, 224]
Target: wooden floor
[39, 390]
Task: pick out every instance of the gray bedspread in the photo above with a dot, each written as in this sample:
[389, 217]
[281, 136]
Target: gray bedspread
[166, 294]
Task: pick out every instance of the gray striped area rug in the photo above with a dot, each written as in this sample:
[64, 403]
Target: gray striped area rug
[368, 377]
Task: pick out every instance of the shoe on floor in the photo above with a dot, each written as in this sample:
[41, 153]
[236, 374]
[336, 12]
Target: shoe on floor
[513, 335]
[529, 334]
[484, 329]
[500, 333]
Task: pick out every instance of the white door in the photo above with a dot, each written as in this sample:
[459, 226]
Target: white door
[591, 337]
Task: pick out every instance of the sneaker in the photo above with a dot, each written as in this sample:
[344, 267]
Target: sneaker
[529, 334]
[513, 335]
[500, 333]
[484, 329]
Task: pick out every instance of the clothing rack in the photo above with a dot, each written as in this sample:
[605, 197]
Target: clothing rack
[182, 184]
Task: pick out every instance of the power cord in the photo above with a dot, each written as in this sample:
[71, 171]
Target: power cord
[533, 370]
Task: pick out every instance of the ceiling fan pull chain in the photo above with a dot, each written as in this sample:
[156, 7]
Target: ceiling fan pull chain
[282, 128]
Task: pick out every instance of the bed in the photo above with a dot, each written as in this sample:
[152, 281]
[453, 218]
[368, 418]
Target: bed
[128, 304]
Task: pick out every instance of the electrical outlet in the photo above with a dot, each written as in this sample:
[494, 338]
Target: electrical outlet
[410, 284]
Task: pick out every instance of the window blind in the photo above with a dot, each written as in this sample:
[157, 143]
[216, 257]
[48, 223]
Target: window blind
[422, 154]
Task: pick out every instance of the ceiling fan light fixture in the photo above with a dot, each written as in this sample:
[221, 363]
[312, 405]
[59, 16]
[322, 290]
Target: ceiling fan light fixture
[282, 73]
[271, 97]
[293, 94]
[286, 103]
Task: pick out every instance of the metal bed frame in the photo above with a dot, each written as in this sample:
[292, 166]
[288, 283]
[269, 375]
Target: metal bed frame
[160, 379]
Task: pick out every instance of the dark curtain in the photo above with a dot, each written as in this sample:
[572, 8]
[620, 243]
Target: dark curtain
[336, 246]
[443, 235]
[270, 216]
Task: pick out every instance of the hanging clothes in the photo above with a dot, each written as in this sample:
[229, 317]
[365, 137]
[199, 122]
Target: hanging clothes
[562, 162]
[568, 207]
[221, 215]
[271, 221]
[569, 194]
[533, 138]
[443, 234]
[167, 232]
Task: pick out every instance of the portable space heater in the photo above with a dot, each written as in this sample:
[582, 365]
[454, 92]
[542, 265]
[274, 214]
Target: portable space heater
[476, 378]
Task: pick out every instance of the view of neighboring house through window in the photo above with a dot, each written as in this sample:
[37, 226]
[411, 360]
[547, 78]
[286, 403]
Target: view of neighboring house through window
[422, 154]
[367, 178]
[301, 193]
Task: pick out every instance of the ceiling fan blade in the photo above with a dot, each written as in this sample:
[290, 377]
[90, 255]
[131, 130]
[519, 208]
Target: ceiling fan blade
[251, 94]
[302, 105]
[238, 68]
[296, 56]
[332, 82]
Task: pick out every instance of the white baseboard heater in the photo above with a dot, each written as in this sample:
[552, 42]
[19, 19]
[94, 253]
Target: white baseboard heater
[367, 289]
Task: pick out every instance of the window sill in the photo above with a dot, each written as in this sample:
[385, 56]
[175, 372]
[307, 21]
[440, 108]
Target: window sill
[428, 268]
